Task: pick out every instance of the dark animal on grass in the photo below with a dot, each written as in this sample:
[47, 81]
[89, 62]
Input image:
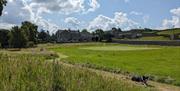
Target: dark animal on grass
[142, 79]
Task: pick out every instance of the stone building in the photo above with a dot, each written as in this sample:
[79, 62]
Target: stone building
[64, 36]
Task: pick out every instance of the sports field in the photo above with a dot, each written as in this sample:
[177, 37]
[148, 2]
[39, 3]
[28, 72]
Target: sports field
[160, 62]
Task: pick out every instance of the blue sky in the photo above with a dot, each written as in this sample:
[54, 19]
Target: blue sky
[92, 14]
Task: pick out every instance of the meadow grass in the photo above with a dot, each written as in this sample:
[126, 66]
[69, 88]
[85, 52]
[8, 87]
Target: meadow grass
[169, 32]
[161, 63]
[117, 48]
[154, 38]
[33, 72]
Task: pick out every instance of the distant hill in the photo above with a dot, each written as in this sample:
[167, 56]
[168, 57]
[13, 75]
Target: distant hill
[169, 31]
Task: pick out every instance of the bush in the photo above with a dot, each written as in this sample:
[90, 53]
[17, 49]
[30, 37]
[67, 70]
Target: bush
[30, 44]
[167, 80]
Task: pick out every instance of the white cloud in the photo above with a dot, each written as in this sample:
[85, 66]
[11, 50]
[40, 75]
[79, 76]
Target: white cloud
[174, 22]
[176, 11]
[23, 11]
[120, 20]
[33, 10]
[102, 22]
[72, 21]
[94, 5]
[44, 24]
[6, 26]
[136, 13]
[65, 6]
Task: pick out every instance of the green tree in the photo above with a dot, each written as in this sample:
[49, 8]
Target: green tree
[44, 36]
[84, 31]
[53, 38]
[108, 36]
[30, 30]
[100, 34]
[116, 29]
[4, 38]
[18, 38]
[2, 4]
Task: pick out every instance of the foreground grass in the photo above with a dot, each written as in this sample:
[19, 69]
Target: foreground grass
[161, 63]
[32, 72]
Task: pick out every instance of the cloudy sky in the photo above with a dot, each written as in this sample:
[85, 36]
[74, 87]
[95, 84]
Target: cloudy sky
[92, 14]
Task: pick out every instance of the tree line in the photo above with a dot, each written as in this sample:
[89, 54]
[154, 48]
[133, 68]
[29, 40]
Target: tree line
[26, 35]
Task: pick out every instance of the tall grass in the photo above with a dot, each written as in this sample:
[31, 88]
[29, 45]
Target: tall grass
[28, 72]
[161, 63]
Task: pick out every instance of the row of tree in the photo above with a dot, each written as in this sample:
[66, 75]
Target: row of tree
[25, 36]
[105, 35]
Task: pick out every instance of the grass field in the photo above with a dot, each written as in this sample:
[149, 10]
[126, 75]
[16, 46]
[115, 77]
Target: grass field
[154, 38]
[32, 71]
[169, 32]
[162, 63]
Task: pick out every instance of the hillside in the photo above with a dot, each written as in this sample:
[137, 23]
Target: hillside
[169, 31]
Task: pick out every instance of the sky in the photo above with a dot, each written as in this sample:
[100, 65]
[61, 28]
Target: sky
[52, 15]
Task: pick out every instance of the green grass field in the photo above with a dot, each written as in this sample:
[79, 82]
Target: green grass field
[169, 31]
[154, 38]
[26, 71]
[160, 62]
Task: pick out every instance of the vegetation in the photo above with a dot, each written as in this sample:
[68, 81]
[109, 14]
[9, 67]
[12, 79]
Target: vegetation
[17, 38]
[4, 38]
[154, 38]
[33, 72]
[44, 37]
[30, 30]
[170, 31]
[25, 36]
[161, 63]
[2, 4]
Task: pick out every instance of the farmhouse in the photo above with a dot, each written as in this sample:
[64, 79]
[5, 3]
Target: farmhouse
[72, 36]
[129, 34]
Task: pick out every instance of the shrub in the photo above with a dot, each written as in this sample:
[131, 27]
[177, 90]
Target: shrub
[30, 44]
[167, 80]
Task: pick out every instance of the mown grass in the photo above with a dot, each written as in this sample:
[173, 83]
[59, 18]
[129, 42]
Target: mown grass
[33, 72]
[161, 63]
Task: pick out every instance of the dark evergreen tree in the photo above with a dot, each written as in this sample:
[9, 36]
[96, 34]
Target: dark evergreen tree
[18, 38]
[4, 38]
[44, 36]
[108, 36]
[2, 4]
[84, 31]
[100, 34]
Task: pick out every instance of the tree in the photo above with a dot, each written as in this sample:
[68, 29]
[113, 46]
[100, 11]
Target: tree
[119, 30]
[108, 36]
[53, 38]
[30, 30]
[2, 4]
[18, 38]
[44, 36]
[116, 29]
[84, 31]
[4, 38]
[100, 34]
